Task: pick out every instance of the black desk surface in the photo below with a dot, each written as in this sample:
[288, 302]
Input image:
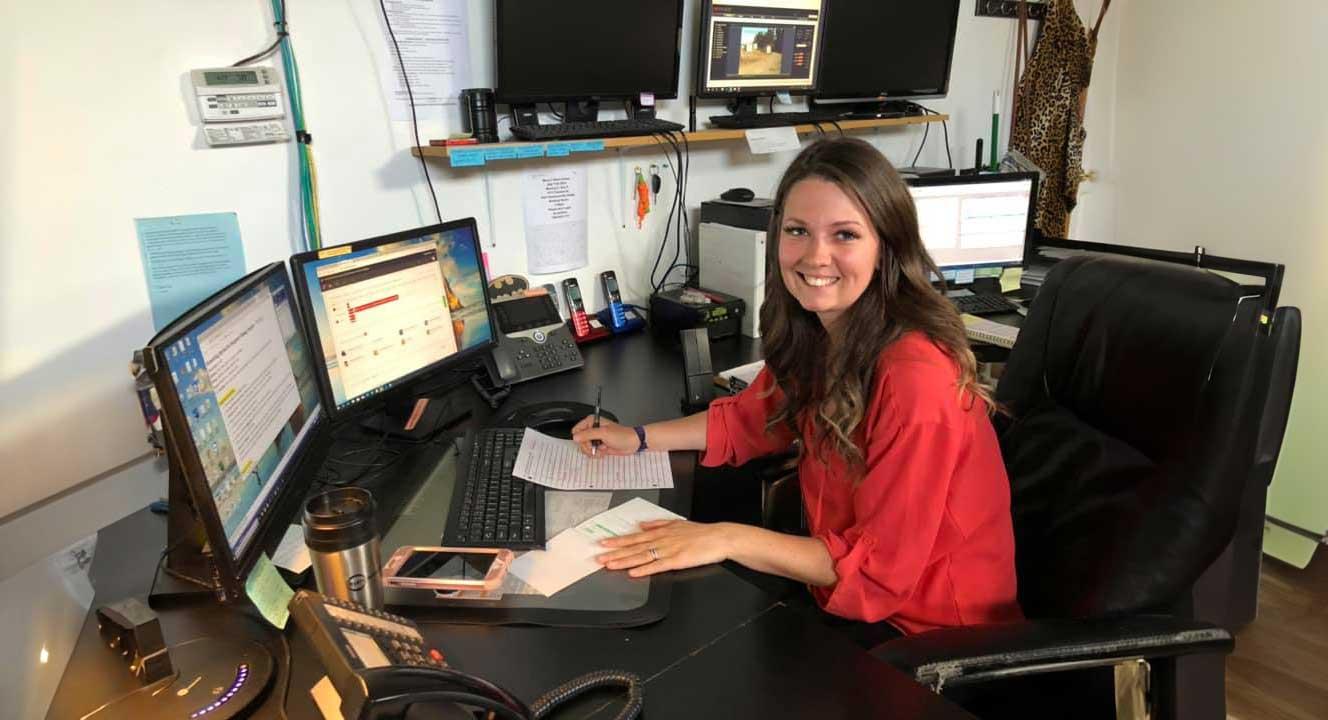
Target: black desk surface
[726, 648]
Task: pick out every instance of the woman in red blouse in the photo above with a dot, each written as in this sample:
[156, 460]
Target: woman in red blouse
[867, 365]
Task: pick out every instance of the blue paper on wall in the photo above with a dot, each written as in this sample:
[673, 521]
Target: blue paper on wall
[186, 258]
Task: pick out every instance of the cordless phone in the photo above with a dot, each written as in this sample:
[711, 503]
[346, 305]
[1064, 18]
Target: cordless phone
[576, 307]
[609, 281]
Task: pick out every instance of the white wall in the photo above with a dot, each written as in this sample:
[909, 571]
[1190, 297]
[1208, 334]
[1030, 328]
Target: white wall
[97, 129]
[1221, 141]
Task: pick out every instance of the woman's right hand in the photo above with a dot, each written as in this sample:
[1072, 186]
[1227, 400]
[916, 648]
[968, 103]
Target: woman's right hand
[615, 439]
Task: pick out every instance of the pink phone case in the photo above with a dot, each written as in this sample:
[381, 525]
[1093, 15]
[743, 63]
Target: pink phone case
[494, 578]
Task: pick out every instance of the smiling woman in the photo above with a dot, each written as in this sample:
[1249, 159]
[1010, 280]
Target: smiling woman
[869, 375]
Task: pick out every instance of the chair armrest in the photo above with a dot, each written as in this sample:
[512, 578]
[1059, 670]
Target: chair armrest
[985, 652]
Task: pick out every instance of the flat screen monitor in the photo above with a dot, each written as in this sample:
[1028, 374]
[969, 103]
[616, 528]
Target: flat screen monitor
[758, 47]
[976, 221]
[240, 406]
[388, 311]
[887, 48]
[557, 50]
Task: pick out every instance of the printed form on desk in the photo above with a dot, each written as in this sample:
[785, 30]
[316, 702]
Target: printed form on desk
[570, 555]
[560, 464]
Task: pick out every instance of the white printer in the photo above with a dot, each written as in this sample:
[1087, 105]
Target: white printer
[731, 245]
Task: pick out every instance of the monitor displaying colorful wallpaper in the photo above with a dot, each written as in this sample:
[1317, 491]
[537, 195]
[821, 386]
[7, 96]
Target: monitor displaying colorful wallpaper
[387, 310]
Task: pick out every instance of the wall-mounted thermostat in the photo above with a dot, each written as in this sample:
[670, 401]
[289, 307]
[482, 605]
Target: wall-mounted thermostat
[231, 99]
[241, 93]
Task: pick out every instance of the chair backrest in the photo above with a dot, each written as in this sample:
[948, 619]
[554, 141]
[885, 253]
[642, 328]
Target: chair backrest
[1131, 389]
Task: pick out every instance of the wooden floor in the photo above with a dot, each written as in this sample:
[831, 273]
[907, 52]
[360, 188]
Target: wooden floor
[1279, 670]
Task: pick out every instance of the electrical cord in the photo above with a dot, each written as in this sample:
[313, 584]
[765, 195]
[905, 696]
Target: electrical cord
[414, 119]
[152, 588]
[945, 127]
[280, 24]
[454, 686]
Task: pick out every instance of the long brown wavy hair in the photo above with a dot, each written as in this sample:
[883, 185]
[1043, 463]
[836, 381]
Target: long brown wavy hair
[832, 381]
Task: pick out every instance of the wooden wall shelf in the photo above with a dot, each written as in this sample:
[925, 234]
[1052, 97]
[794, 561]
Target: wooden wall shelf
[522, 150]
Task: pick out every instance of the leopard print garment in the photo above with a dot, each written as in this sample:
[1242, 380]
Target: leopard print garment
[1049, 124]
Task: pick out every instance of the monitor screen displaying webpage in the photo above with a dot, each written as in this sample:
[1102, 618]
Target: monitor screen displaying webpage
[247, 389]
[975, 223]
[386, 310]
[759, 47]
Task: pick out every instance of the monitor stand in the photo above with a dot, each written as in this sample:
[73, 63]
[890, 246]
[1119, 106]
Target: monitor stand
[581, 111]
[744, 105]
[418, 418]
[189, 572]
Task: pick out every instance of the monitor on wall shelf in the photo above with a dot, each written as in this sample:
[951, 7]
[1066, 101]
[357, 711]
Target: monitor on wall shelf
[393, 318]
[242, 418]
[878, 53]
[582, 52]
[749, 49]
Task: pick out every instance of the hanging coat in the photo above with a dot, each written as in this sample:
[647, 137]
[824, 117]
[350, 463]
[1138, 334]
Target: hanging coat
[1049, 111]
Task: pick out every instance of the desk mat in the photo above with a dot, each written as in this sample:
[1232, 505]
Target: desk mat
[603, 599]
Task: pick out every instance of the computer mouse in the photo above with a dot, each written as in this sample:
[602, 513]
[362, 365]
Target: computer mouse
[737, 195]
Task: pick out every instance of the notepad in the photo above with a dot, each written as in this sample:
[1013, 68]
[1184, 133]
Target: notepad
[560, 464]
[989, 332]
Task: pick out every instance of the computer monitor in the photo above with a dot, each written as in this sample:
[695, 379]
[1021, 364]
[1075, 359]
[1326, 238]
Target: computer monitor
[753, 48]
[586, 50]
[887, 49]
[240, 408]
[387, 313]
[975, 221]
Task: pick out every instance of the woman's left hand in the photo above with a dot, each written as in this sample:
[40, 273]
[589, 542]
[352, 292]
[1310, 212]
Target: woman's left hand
[664, 545]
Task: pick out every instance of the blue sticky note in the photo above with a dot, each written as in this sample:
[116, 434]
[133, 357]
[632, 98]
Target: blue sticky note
[559, 150]
[466, 157]
[500, 153]
[588, 146]
[269, 592]
[186, 258]
[529, 151]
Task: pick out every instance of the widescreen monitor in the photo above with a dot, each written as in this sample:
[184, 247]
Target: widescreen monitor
[386, 312]
[240, 406]
[561, 50]
[887, 48]
[977, 221]
[758, 47]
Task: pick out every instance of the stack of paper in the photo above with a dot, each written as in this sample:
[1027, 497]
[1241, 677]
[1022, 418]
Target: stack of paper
[560, 464]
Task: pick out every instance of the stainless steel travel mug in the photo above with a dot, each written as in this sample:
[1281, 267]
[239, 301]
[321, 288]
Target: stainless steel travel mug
[339, 530]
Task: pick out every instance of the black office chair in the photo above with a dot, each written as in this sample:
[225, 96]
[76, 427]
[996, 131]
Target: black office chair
[1140, 396]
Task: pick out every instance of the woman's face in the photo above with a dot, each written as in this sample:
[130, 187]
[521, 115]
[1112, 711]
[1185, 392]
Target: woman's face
[828, 250]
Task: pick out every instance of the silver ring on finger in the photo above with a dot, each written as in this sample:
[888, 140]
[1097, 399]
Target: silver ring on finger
[653, 552]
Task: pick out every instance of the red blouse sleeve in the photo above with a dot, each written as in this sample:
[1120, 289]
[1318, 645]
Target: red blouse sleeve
[915, 440]
[735, 426]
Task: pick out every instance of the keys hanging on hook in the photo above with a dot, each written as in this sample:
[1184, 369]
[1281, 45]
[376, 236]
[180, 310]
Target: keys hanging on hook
[655, 183]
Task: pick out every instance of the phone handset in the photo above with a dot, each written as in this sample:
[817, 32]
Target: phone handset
[576, 307]
[379, 666]
[617, 315]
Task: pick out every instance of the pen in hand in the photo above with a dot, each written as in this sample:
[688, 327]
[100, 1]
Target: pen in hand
[594, 444]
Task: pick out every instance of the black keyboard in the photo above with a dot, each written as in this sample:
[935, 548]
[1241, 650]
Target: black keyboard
[596, 129]
[984, 304]
[768, 120]
[490, 508]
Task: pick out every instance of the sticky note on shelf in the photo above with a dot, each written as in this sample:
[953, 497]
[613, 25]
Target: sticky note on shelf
[558, 150]
[529, 151]
[587, 146]
[466, 157]
[500, 153]
[268, 592]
